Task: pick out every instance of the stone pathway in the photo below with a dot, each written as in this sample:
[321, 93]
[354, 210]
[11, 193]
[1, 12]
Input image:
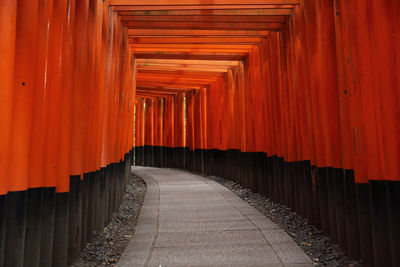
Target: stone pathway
[189, 220]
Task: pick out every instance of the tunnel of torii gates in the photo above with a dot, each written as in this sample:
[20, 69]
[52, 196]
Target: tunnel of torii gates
[295, 99]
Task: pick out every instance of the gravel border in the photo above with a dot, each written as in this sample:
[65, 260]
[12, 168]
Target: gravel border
[320, 248]
[107, 247]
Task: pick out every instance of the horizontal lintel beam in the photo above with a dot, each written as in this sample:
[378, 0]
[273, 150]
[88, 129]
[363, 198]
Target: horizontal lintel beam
[199, 40]
[214, 11]
[188, 62]
[258, 26]
[194, 33]
[193, 56]
[233, 18]
[200, 2]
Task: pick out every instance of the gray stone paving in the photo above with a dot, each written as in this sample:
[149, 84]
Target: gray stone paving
[189, 220]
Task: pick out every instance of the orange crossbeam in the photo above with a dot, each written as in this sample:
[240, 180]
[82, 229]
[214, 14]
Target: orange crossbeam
[200, 33]
[205, 18]
[225, 10]
[188, 62]
[201, 2]
[229, 26]
[199, 40]
[192, 56]
[165, 9]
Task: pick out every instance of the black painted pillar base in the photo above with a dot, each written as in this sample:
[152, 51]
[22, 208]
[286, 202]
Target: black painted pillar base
[3, 212]
[91, 208]
[271, 179]
[108, 177]
[297, 188]
[186, 152]
[85, 209]
[287, 186]
[60, 244]
[380, 223]
[33, 228]
[16, 206]
[304, 189]
[98, 221]
[322, 176]
[101, 221]
[310, 193]
[75, 218]
[338, 184]
[331, 202]
[364, 224]
[352, 230]
[316, 201]
[393, 191]
[48, 213]
[279, 179]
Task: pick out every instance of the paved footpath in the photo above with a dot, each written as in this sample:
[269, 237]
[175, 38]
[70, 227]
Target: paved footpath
[189, 220]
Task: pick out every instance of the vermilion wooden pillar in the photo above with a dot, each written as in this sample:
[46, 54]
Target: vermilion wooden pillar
[343, 52]
[52, 146]
[169, 121]
[149, 123]
[73, 182]
[179, 121]
[38, 135]
[22, 104]
[132, 98]
[107, 34]
[139, 131]
[94, 89]
[80, 63]
[149, 131]
[8, 18]
[114, 88]
[157, 131]
[385, 92]
[386, 15]
[157, 122]
[101, 37]
[198, 132]
[23, 95]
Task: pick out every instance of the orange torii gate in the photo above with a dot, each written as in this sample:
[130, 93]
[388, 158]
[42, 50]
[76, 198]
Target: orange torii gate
[296, 100]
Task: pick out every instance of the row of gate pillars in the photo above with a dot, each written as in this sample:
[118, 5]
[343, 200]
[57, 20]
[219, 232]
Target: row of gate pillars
[361, 218]
[40, 227]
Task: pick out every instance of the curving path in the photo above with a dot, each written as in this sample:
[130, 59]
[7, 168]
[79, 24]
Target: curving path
[189, 220]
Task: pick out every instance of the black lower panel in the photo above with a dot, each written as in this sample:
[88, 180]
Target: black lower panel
[75, 218]
[393, 191]
[363, 219]
[33, 227]
[322, 177]
[380, 223]
[364, 224]
[85, 207]
[60, 238]
[2, 228]
[40, 227]
[351, 214]
[91, 206]
[16, 206]
[48, 212]
[102, 200]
